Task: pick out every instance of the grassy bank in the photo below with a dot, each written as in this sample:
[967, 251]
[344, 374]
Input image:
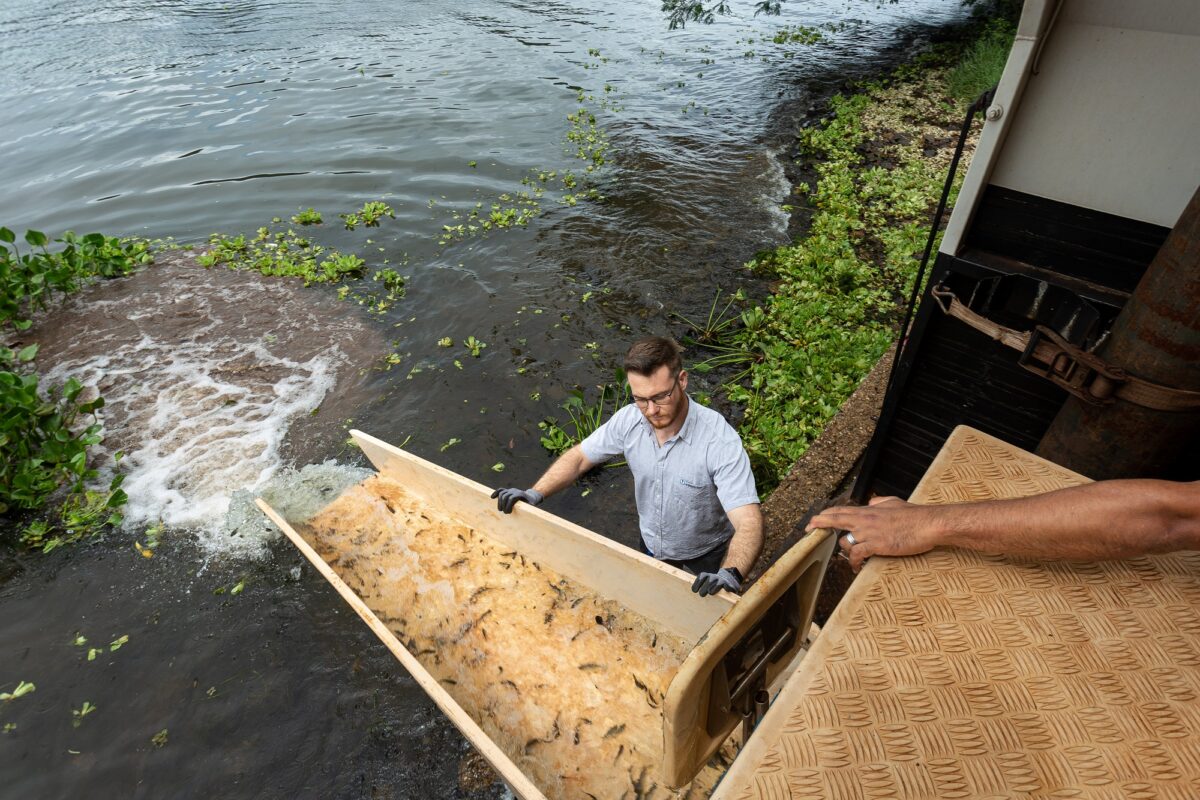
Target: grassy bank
[876, 167]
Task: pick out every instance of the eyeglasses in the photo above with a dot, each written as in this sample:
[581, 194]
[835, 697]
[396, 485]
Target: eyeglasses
[659, 399]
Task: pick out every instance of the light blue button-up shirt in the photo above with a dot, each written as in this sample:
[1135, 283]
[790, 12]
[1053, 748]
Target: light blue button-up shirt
[683, 487]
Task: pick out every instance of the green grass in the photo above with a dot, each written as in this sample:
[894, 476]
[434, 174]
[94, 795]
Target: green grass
[980, 68]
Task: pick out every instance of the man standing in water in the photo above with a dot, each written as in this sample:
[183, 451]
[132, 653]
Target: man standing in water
[697, 505]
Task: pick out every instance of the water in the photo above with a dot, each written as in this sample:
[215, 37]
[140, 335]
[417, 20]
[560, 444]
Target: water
[180, 119]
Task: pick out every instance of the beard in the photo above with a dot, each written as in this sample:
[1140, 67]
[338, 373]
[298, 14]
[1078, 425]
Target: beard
[660, 421]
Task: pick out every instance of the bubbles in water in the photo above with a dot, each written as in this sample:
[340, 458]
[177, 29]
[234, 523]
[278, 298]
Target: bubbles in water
[204, 374]
[210, 415]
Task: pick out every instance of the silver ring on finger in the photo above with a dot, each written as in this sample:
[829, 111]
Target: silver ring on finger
[849, 537]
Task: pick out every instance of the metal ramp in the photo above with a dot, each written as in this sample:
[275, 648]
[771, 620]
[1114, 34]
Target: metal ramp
[960, 675]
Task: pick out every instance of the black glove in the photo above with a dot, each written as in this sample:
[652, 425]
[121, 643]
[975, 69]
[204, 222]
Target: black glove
[707, 583]
[507, 498]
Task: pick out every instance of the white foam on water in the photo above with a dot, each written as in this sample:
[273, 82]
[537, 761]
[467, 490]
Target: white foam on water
[200, 419]
[202, 387]
[776, 192]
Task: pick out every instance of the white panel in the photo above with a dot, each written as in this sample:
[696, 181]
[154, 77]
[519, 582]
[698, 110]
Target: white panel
[1112, 120]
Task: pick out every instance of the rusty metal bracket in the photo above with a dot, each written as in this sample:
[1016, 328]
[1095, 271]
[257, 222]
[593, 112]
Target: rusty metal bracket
[1084, 375]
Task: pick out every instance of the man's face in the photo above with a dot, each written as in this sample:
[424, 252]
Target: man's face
[659, 396]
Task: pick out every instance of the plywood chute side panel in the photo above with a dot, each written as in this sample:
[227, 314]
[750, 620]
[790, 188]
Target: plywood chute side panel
[691, 735]
[512, 775]
[658, 592]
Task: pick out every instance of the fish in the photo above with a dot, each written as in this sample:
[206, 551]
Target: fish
[590, 667]
[475, 594]
[646, 689]
[554, 734]
[615, 730]
[459, 563]
[639, 783]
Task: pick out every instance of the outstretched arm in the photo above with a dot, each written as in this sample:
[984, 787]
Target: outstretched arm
[1103, 520]
[747, 541]
[565, 470]
[562, 473]
[743, 550]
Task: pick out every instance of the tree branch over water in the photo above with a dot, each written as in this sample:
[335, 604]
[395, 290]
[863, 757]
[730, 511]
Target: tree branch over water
[681, 12]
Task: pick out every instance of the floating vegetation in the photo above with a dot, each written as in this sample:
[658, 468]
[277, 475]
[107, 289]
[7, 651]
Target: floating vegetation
[584, 416]
[81, 712]
[880, 161]
[309, 216]
[30, 280]
[585, 140]
[474, 346]
[45, 432]
[281, 254]
[23, 688]
[369, 215]
[285, 253]
[159, 739]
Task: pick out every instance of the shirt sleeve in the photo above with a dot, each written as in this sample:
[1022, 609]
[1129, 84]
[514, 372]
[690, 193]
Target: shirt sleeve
[608, 441]
[732, 474]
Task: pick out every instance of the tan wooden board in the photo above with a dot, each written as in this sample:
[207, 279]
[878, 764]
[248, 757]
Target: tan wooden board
[961, 675]
[657, 591]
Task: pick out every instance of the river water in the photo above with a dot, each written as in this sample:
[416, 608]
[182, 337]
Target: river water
[180, 119]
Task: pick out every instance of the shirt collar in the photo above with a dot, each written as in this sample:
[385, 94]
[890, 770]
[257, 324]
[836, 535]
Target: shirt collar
[689, 421]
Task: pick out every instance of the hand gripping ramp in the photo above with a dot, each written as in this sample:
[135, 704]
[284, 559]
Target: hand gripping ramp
[956, 674]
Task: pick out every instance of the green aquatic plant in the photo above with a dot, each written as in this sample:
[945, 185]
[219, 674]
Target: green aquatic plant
[46, 435]
[714, 327]
[281, 254]
[474, 346]
[369, 215]
[30, 280]
[838, 288]
[308, 216]
[584, 416]
[23, 688]
[81, 712]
